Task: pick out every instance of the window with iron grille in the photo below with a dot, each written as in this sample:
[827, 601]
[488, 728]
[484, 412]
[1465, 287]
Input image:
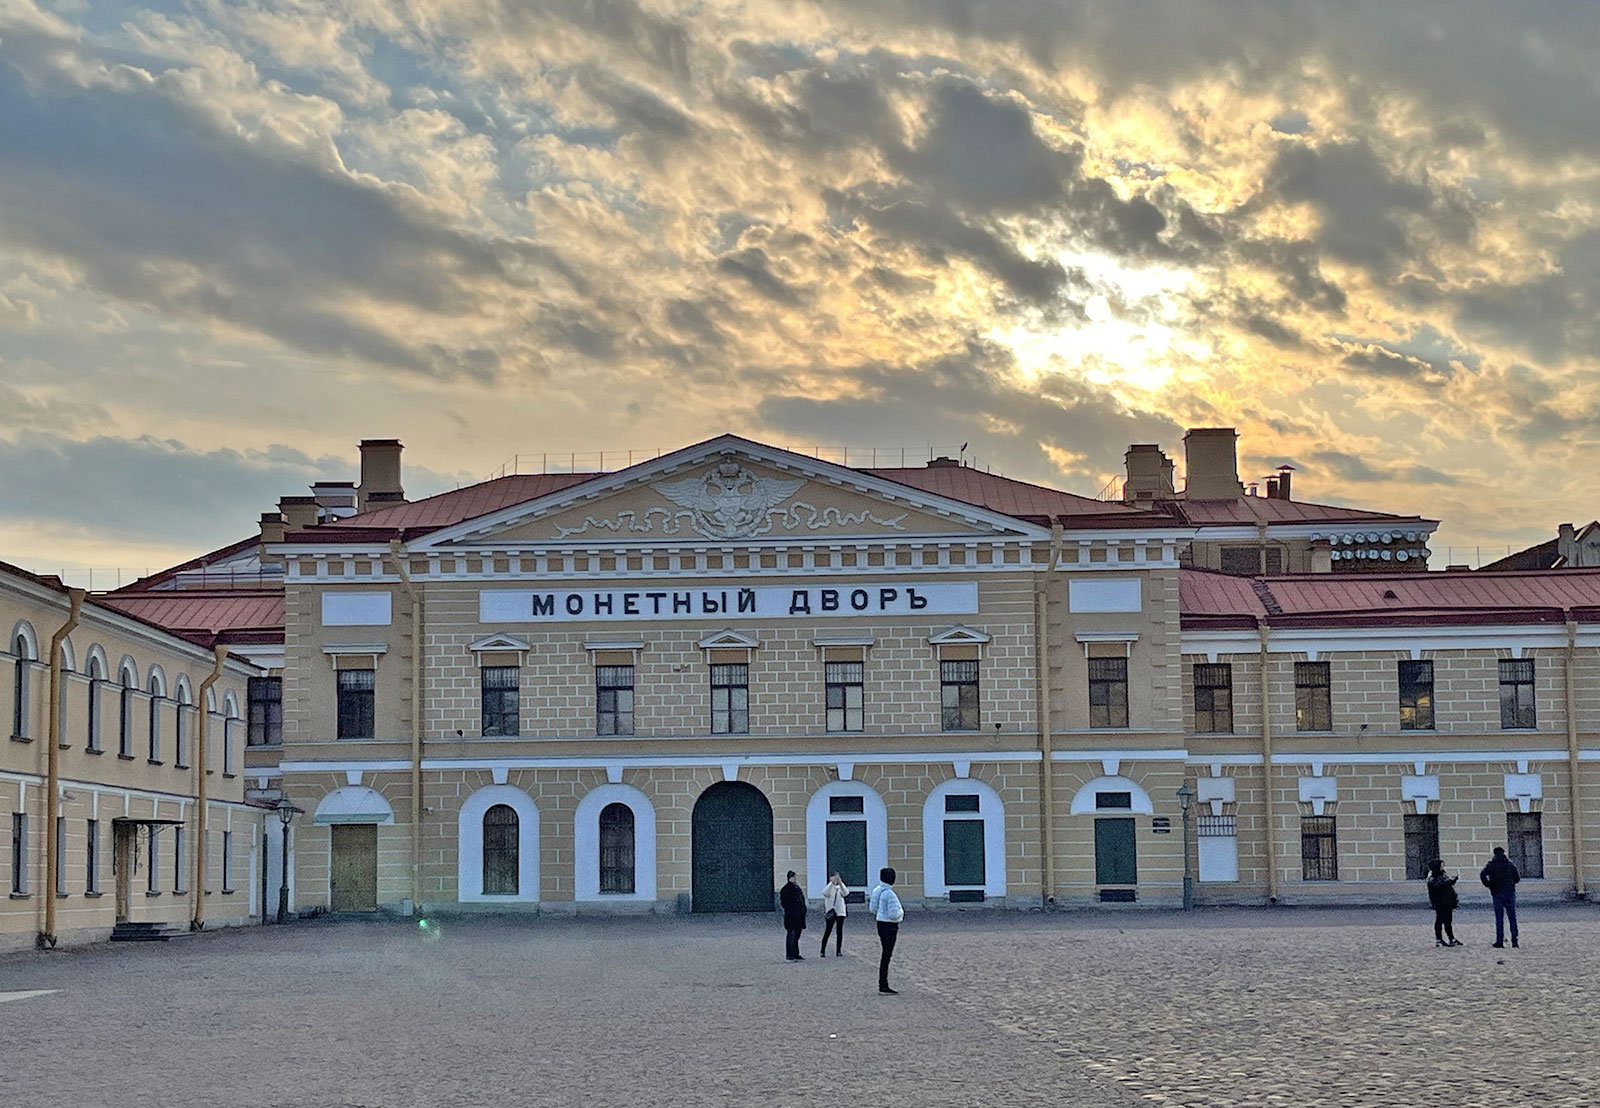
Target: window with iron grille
[125, 721]
[19, 853]
[1213, 697]
[1221, 827]
[613, 700]
[1313, 697]
[1108, 692]
[958, 688]
[1516, 694]
[265, 696]
[1319, 849]
[730, 698]
[500, 691]
[1243, 560]
[616, 849]
[355, 703]
[1422, 845]
[155, 721]
[91, 858]
[502, 873]
[1525, 842]
[227, 861]
[1416, 696]
[177, 860]
[844, 695]
[152, 878]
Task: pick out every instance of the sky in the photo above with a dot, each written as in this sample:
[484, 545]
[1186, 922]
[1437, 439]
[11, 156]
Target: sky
[237, 237]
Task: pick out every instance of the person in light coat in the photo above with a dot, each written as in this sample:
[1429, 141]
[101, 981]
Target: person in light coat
[884, 904]
[833, 899]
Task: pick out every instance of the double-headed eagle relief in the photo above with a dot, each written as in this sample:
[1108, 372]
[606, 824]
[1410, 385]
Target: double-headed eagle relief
[729, 502]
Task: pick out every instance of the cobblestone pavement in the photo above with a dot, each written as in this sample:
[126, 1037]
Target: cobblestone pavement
[1295, 1006]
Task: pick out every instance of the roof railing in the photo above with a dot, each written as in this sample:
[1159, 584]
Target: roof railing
[608, 461]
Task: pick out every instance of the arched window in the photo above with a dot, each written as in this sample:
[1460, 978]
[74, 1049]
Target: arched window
[616, 849]
[20, 706]
[500, 855]
[155, 718]
[180, 729]
[130, 682]
[97, 677]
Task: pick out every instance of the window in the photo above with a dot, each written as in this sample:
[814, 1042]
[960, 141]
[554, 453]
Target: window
[1274, 559]
[1114, 801]
[180, 729]
[500, 691]
[155, 720]
[19, 853]
[964, 863]
[613, 693]
[958, 689]
[501, 865]
[1525, 842]
[1213, 697]
[848, 806]
[844, 695]
[265, 699]
[1108, 692]
[1319, 849]
[91, 858]
[1416, 696]
[19, 700]
[730, 698]
[1217, 847]
[152, 880]
[1313, 697]
[177, 860]
[61, 855]
[616, 849]
[227, 861]
[1241, 559]
[125, 717]
[355, 704]
[1422, 845]
[230, 709]
[1516, 694]
[97, 678]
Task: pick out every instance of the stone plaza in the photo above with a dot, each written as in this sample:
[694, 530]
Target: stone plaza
[1298, 1006]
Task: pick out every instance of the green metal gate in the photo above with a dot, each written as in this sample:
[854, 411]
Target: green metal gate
[847, 851]
[1116, 852]
[732, 850]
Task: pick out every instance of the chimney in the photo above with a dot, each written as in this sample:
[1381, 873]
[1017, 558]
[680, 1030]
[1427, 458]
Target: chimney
[272, 527]
[380, 473]
[299, 512]
[1211, 457]
[943, 462]
[1283, 482]
[1272, 489]
[1567, 546]
[335, 499]
[1149, 474]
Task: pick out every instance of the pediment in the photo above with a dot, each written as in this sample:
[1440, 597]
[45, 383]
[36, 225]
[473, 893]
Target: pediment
[959, 633]
[729, 640]
[730, 491]
[499, 644]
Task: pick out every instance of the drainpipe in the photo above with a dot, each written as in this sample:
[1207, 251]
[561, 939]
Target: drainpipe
[399, 554]
[1041, 615]
[1266, 773]
[1569, 681]
[197, 921]
[52, 799]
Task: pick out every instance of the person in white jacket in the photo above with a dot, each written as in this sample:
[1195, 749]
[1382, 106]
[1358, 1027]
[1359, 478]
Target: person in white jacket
[833, 898]
[884, 903]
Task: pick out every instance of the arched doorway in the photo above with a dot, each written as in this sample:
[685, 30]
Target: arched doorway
[732, 853]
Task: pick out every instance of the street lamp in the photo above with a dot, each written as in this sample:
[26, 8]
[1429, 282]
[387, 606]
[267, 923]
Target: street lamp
[286, 812]
[1185, 799]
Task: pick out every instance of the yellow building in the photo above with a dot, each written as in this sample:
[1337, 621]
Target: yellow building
[121, 780]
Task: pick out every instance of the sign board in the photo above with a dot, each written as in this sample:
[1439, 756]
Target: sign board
[652, 602]
[1161, 825]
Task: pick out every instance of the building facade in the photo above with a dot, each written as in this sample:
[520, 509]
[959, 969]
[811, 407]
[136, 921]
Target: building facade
[139, 733]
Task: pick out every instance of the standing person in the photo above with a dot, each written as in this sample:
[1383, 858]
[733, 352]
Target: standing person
[1442, 895]
[833, 897]
[793, 901]
[1500, 877]
[884, 904]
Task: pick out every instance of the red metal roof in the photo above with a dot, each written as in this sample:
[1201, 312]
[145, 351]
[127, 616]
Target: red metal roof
[1018, 499]
[1250, 510]
[453, 507]
[1326, 599]
[227, 613]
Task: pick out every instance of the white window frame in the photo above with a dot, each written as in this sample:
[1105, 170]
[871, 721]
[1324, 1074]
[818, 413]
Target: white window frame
[469, 846]
[991, 810]
[873, 810]
[586, 844]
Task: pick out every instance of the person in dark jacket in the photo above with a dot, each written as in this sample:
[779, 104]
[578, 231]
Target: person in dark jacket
[793, 901]
[1500, 877]
[1442, 895]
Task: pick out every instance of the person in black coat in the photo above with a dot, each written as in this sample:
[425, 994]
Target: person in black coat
[793, 901]
[1500, 877]
[1442, 895]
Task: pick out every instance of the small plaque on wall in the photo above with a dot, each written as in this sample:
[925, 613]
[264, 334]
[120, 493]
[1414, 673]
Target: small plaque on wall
[1161, 825]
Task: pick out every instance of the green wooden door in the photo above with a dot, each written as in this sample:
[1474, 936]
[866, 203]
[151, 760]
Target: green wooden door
[963, 853]
[731, 867]
[1116, 852]
[847, 851]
